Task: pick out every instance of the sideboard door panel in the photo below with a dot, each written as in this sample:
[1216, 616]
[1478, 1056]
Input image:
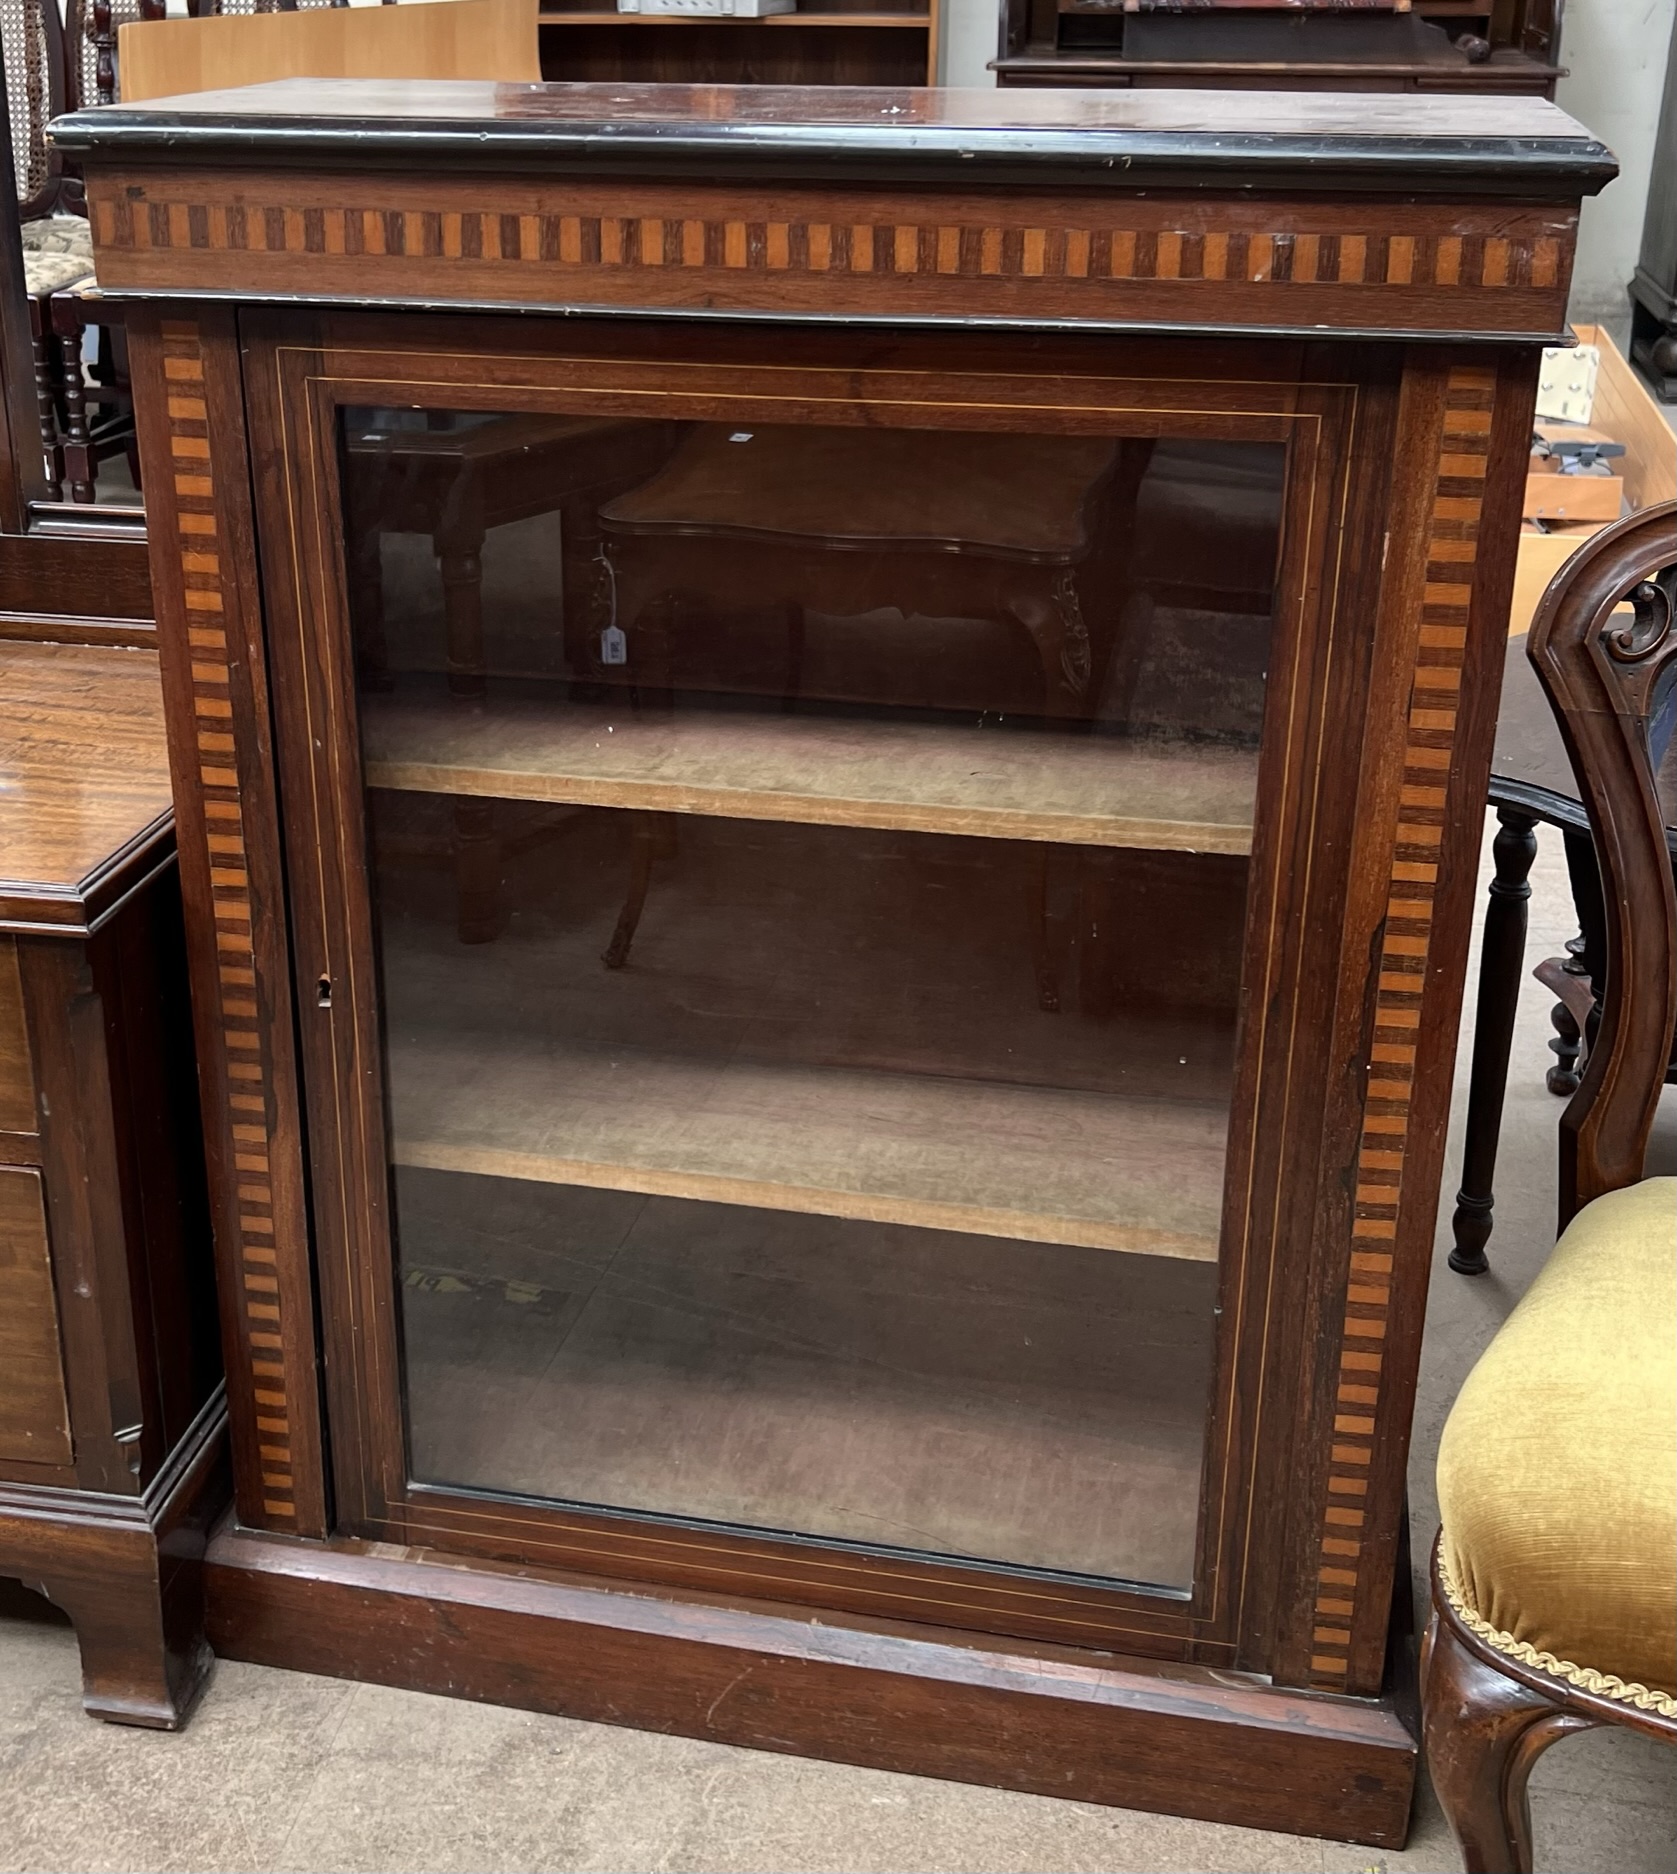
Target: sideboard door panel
[34, 1410]
[17, 1075]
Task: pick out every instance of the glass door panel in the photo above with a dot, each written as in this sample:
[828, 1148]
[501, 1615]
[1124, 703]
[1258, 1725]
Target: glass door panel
[809, 871]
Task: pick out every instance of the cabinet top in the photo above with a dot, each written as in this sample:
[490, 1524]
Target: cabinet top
[1233, 141]
[85, 809]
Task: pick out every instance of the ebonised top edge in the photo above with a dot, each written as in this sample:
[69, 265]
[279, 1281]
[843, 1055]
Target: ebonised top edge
[1232, 140]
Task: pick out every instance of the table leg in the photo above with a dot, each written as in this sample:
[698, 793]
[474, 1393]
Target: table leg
[652, 837]
[460, 556]
[366, 593]
[1500, 969]
[479, 912]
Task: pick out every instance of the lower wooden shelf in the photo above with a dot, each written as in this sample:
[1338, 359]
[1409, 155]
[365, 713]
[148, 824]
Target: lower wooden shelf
[837, 1021]
[1057, 1166]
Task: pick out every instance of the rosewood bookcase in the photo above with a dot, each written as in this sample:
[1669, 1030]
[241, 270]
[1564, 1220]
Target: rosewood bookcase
[826, 1020]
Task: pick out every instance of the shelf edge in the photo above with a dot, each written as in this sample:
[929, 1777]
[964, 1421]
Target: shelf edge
[809, 1200]
[814, 810]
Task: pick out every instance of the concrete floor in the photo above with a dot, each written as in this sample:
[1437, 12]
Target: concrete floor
[279, 1771]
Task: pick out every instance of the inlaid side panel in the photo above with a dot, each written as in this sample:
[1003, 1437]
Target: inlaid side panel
[1368, 265]
[186, 375]
[34, 1408]
[1405, 1052]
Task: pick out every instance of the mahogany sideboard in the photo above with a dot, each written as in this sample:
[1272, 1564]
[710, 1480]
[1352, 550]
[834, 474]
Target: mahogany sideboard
[829, 750]
[112, 1421]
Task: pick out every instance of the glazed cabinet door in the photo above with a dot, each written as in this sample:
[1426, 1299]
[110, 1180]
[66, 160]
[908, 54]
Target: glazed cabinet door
[819, 879]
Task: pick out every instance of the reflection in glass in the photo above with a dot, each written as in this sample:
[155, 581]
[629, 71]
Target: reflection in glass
[809, 870]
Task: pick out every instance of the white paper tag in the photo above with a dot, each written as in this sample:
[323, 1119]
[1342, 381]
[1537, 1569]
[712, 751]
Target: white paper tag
[614, 646]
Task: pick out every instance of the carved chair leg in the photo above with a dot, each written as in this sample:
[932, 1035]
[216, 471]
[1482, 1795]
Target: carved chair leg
[1585, 969]
[1566, 1044]
[1482, 1733]
[1054, 619]
[1573, 1017]
[1500, 960]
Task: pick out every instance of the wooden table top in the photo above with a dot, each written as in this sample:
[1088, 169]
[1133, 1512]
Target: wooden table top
[86, 812]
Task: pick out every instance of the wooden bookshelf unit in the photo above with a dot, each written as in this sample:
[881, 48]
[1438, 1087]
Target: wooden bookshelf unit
[825, 43]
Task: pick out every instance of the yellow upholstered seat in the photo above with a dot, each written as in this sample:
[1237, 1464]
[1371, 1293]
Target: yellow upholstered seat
[1557, 1473]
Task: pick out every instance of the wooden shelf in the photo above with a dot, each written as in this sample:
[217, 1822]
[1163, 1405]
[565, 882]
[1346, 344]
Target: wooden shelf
[751, 1055]
[870, 20]
[914, 777]
[1056, 1166]
[759, 1339]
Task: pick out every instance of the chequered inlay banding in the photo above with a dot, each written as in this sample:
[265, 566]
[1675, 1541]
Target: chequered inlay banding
[1452, 549]
[248, 1095]
[1353, 256]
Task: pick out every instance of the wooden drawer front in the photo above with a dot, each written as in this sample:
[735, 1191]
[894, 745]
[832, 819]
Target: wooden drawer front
[17, 1078]
[34, 1411]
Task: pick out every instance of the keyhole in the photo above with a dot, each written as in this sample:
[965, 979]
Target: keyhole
[323, 992]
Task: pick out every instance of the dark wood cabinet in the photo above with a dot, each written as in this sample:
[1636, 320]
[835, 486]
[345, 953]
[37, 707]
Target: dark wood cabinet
[112, 1454]
[828, 895]
[1509, 48]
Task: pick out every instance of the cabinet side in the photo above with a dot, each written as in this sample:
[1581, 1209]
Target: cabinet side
[203, 562]
[1421, 798]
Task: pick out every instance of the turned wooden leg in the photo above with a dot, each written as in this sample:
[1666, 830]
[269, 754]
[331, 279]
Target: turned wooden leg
[80, 463]
[1580, 978]
[1566, 1044]
[140, 1625]
[1482, 1733]
[44, 357]
[460, 556]
[477, 871]
[1500, 960]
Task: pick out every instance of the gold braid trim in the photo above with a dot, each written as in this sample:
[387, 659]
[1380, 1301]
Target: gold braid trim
[1602, 1684]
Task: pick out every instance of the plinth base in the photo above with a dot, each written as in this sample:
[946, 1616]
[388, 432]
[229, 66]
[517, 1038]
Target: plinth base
[1133, 1733]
